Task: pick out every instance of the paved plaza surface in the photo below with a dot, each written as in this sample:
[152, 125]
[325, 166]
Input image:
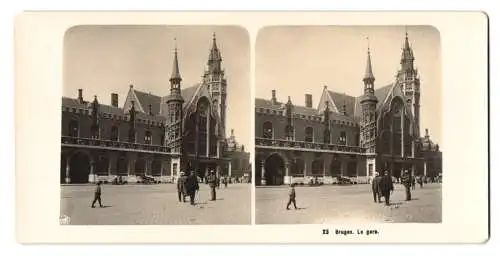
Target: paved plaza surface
[157, 204]
[349, 203]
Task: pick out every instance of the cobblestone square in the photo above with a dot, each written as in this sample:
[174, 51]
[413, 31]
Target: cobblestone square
[157, 204]
[351, 203]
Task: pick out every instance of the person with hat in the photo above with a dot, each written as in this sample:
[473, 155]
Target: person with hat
[191, 186]
[376, 188]
[406, 181]
[212, 183]
[97, 195]
[386, 187]
[181, 189]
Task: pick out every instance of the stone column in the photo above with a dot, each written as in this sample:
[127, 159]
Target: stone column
[218, 148]
[305, 167]
[229, 169]
[208, 135]
[287, 177]
[67, 179]
[148, 167]
[110, 162]
[425, 168]
[413, 148]
[324, 168]
[402, 135]
[131, 170]
[92, 175]
[263, 173]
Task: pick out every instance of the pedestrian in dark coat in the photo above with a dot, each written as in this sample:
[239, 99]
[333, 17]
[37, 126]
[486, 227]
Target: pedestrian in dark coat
[212, 183]
[191, 186]
[97, 195]
[291, 197]
[376, 188]
[406, 180]
[386, 186]
[181, 191]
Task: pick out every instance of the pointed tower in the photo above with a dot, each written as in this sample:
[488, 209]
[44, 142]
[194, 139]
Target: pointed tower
[289, 120]
[368, 108]
[216, 82]
[409, 81]
[173, 132]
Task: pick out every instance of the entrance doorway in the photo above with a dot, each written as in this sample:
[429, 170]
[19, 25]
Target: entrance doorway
[80, 168]
[274, 168]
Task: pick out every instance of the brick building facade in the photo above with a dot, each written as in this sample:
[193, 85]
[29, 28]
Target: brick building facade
[149, 135]
[345, 136]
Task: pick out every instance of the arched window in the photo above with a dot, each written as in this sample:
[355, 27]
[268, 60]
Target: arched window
[309, 134]
[397, 117]
[342, 138]
[131, 135]
[94, 131]
[148, 137]
[162, 142]
[267, 130]
[73, 128]
[203, 113]
[114, 133]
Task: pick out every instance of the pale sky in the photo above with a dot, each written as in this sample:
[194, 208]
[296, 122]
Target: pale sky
[107, 59]
[301, 59]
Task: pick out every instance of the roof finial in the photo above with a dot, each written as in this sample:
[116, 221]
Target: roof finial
[175, 45]
[368, 43]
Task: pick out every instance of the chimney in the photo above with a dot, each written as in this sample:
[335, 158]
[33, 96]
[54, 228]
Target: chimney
[114, 100]
[273, 97]
[309, 101]
[80, 96]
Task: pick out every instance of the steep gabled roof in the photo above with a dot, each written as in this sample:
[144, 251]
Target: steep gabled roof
[188, 93]
[145, 99]
[301, 110]
[339, 99]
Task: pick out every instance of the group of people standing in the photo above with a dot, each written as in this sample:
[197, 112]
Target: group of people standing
[382, 186]
[188, 186]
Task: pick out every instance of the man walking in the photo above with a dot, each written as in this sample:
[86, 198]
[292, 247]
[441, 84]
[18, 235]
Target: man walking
[212, 183]
[191, 186]
[97, 195]
[181, 191]
[406, 179]
[376, 188]
[386, 187]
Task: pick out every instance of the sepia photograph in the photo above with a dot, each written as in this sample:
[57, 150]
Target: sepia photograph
[251, 127]
[348, 125]
[152, 129]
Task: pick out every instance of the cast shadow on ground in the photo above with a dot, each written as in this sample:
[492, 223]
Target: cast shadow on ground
[298, 209]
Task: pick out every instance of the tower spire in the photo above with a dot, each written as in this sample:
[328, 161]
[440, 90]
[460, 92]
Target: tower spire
[368, 70]
[176, 75]
[214, 57]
